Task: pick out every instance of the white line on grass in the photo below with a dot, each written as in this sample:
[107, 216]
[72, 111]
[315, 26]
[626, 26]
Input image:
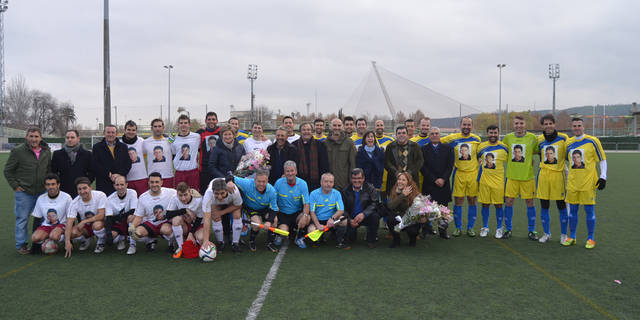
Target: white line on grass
[256, 306]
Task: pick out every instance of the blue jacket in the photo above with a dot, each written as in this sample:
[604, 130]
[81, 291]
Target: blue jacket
[222, 159]
[373, 167]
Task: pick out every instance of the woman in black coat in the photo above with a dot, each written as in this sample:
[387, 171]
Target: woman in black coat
[226, 154]
[370, 158]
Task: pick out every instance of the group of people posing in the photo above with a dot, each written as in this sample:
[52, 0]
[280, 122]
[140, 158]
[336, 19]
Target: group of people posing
[176, 187]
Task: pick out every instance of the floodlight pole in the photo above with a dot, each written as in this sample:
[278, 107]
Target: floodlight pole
[252, 74]
[106, 66]
[500, 66]
[169, 67]
[554, 74]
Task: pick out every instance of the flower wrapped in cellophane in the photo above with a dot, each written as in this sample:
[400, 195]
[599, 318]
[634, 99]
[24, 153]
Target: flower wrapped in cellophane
[251, 162]
[421, 210]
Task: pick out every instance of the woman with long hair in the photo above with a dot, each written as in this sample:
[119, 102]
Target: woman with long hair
[400, 199]
[370, 158]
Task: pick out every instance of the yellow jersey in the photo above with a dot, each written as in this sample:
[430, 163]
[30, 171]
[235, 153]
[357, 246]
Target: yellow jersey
[552, 154]
[492, 158]
[421, 141]
[582, 156]
[465, 150]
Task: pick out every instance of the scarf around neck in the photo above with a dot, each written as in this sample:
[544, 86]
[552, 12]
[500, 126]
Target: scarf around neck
[308, 165]
[72, 152]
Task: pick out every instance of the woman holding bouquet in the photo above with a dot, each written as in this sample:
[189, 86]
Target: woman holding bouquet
[401, 197]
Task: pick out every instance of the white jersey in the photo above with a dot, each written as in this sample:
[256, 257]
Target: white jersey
[52, 211]
[154, 208]
[194, 206]
[84, 210]
[159, 156]
[209, 199]
[186, 152]
[117, 205]
[251, 144]
[138, 170]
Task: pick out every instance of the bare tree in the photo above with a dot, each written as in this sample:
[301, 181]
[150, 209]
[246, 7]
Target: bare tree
[17, 103]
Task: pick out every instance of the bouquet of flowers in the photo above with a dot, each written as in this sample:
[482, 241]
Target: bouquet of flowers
[252, 161]
[423, 209]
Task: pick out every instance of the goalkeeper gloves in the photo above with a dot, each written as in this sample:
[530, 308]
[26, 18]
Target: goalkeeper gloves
[601, 184]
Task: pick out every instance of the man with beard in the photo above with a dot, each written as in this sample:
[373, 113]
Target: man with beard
[279, 153]
[318, 128]
[361, 129]
[341, 153]
[491, 179]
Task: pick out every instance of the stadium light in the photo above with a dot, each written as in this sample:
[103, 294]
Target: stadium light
[500, 66]
[169, 67]
[554, 74]
[252, 74]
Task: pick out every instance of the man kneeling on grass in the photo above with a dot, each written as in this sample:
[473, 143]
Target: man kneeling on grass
[89, 207]
[150, 219]
[326, 208]
[185, 215]
[293, 202]
[217, 202]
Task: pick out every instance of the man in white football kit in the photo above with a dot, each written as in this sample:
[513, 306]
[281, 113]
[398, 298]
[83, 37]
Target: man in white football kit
[50, 212]
[120, 208]
[150, 216]
[89, 207]
[137, 176]
[217, 202]
[185, 215]
[185, 150]
[158, 150]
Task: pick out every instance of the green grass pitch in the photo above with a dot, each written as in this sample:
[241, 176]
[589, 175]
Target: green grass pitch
[459, 278]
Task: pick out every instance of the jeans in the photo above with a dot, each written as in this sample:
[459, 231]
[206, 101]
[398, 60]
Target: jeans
[24, 206]
[372, 223]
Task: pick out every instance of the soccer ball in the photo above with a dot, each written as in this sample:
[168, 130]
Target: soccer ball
[208, 254]
[49, 247]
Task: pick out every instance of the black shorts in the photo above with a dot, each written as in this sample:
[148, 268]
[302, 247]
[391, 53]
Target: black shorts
[263, 213]
[288, 219]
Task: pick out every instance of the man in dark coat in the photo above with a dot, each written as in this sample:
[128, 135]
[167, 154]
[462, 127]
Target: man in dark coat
[438, 163]
[400, 156]
[312, 155]
[280, 152]
[110, 160]
[72, 162]
[360, 200]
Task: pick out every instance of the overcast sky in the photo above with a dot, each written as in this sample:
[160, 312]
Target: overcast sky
[302, 47]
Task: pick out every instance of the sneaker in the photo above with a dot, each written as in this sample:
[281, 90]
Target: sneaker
[499, 233]
[590, 244]
[84, 245]
[546, 237]
[506, 234]
[484, 232]
[342, 245]
[569, 242]
[252, 246]
[131, 250]
[278, 241]
[99, 248]
[151, 245]
[300, 243]
[178, 253]
[471, 233]
[271, 247]
[457, 233]
[219, 247]
[24, 250]
[121, 245]
[235, 247]
[563, 238]
[533, 236]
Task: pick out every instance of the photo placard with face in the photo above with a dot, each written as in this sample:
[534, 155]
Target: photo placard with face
[518, 152]
[550, 154]
[489, 159]
[577, 159]
[464, 151]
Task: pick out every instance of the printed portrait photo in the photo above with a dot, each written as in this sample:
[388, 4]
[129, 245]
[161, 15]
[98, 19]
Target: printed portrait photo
[550, 155]
[464, 150]
[211, 142]
[185, 152]
[577, 159]
[52, 216]
[133, 155]
[158, 212]
[518, 151]
[489, 160]
[158, 154]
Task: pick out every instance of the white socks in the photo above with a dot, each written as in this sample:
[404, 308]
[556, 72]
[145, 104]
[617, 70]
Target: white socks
[100, 234]
[236, 230]
[217, 230]
[177, 233]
